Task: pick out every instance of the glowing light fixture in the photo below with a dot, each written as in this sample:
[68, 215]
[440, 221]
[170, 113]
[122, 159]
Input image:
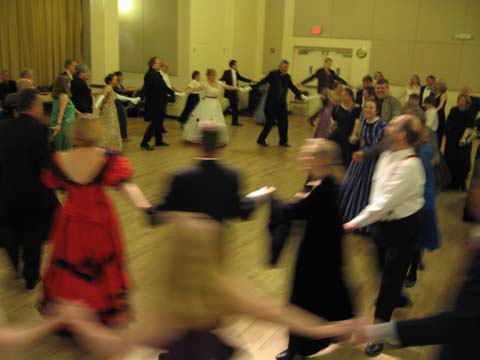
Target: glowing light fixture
[125, 6]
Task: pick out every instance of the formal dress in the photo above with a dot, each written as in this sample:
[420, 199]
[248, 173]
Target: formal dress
[87, 263]
[425, 92]
[441, 120]
[457, 157]
[232, 77]
[355, 190]
[81, 95]
[155, 92]
[325, 78]
[318, 284]
[345, 122]
[26, 205]
[324, 119]
[276, 104]
[210, 109]
[192, 101]
[62, 141]
[108, 115]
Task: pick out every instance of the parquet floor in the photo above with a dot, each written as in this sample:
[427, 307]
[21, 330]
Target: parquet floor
[246, 249]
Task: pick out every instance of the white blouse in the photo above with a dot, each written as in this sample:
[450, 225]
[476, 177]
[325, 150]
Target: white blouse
[193, 85]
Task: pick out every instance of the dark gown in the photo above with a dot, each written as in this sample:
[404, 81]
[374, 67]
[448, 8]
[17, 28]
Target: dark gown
[441, 121]
[355, 190]
[318, 284]
[87, 263]
[458, 157]
[345, 120]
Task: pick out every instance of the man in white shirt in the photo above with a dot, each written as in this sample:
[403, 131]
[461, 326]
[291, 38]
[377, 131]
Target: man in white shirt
[396, 199]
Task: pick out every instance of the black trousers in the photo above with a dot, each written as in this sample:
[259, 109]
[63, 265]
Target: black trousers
[155, 127]
[280, 117]
[23, 232]
[122, 119]
[396, 245]
[233, 98]
[192, 101]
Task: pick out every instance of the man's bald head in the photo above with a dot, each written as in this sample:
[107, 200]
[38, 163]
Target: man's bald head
[411, 125]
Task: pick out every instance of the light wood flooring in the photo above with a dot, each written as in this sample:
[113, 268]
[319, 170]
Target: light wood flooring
[247, 246]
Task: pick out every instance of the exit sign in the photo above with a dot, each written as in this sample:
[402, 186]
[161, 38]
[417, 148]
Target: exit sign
[316, 30]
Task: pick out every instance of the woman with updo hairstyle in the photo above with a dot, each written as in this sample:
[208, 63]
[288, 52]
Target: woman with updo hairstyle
[87, 263]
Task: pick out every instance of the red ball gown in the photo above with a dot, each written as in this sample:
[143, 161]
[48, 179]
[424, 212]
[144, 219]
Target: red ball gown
[87, 263]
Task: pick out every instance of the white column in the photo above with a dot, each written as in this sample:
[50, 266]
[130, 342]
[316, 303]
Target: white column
[104, 39]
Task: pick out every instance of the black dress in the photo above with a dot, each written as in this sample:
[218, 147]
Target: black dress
[458, 157]
[318, 284]
[345, 120]
[441, 120]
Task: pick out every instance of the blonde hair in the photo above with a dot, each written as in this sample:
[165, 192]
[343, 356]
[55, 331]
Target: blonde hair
[211, 72]
[86, 131]
[190, 286]
[329, 151]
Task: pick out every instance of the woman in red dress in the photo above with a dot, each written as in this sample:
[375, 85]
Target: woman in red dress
[87, 263]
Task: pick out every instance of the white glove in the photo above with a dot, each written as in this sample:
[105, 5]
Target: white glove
[99, 101]
[304, 98]
[135, 101]
[181, 94]
[245, 89]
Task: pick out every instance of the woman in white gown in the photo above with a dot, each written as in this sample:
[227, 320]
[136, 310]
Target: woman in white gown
[208, 109]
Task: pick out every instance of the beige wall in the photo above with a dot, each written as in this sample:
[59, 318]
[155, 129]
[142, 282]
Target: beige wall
[274, 27]
[408, 36]
[149, 28]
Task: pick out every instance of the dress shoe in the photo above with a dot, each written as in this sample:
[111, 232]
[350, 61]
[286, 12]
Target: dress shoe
[262, 143]
[164, 356]
[147, 147]
[285, 355]
[31, 284]
[285, 145]
[162, 144]
[404, 301]
[373, 350]
[164, 131]
[237, 124]
[410, 281]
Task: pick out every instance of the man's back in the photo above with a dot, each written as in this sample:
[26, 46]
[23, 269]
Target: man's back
[23, 152]
[81, 95]
[209, 187]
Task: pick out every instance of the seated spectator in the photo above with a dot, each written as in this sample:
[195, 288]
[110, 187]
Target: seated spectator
[10, 103]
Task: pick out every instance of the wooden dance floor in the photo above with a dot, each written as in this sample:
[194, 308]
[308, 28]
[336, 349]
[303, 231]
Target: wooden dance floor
[247, 247]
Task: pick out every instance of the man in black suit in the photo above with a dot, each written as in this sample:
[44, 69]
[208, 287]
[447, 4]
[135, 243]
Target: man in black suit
[427, 90]
[366, 82]
[232, 77]
[276, 103]
[325, 76]
[7, 86]
[26, 205]
[155, 92]
[209, 187]
[81, 92]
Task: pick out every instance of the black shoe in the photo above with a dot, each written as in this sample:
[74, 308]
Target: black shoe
[237, 124]
[164, 356]
[164, 131]
[162, 144]
[285, 145]
[285, 355]
[311, 121]
[421, 265]
[31, 284]
[404, 301]
[262, 143]
[147, 147]
[410, 281]
[373, 350]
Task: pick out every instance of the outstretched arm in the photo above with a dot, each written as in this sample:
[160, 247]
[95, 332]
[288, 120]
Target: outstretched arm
[135, 195]
[25, 335]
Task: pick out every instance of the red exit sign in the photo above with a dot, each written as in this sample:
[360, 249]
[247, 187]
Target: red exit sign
[316, 30]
